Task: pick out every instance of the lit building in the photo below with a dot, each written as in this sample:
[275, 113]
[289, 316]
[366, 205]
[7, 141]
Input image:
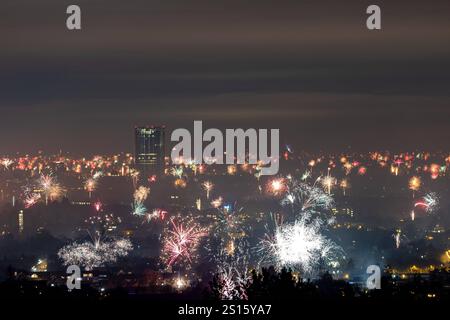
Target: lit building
[20, 221]
[150, 148]
[343, 211]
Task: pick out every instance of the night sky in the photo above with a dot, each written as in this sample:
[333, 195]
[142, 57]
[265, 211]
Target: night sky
[310, 68]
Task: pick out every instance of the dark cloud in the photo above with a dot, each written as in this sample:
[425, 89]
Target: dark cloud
[310, 67]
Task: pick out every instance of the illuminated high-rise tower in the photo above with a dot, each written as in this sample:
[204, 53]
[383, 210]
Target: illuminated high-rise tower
[150, 148]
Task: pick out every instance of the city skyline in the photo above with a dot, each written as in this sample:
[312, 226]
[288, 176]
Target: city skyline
[225, 157]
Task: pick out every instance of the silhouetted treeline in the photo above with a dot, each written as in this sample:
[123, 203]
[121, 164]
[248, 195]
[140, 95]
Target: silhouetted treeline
[268, 284]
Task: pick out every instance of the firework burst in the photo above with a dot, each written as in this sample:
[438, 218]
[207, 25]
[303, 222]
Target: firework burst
[232, 283]
[277, 186]
[45, 181]
[306, 175]
[229, 249]
[180, 183]
[177, 172]
[397, 237]
[328, 182]
[6, 163]
[95, 254]
[303, 198]
[90, 185]
[155, 215]
[55, 192]
[98, 206]
[229, 231]
[299, 246]
[134, 174]
[207, 186]
[216, 203]
[138, 209]
[97, 175]
[141, 194]
[51, 189]
[31, 200]
[231, 169]
[414, 183]
[344, 185]
[429, 202]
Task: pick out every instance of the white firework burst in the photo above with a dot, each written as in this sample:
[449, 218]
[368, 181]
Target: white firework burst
[97, 175]
[303, 197]
[6, 163]
[432, 201]
[95, 254]
[51, 189]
